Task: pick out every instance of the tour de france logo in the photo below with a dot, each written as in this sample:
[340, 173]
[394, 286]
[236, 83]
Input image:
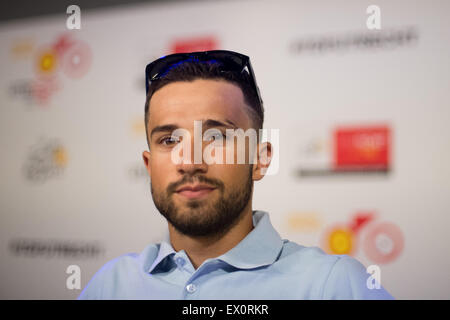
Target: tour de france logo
[382, 242]
[47, 159]
[66, 56]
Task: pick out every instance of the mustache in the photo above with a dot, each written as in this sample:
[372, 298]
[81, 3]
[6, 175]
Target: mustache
[192, 179]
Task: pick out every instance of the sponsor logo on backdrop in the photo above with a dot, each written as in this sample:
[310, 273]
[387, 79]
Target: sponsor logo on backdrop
[360, 40]
[46, 160]
[366, 148]
[55, 248]
[382, 242]
[206, 43]
[138, 127]
[22, 49]
[354, 149]
[138, 172]
[66, 56]
[304, 222]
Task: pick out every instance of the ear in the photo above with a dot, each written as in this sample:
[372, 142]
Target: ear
[262, 160]
[146, 156]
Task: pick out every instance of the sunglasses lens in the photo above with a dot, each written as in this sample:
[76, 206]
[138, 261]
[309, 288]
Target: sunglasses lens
[229, 61]
[157, 68]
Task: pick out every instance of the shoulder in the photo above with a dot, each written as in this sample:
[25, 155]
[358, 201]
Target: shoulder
[339, 276]
[303, 258]
[112, 274]
[349, 279]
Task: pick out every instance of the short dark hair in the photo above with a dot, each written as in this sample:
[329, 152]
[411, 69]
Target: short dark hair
[192, 70]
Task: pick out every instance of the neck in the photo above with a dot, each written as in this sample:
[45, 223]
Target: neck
[201, 248]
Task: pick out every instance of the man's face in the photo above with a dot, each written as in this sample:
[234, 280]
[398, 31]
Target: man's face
[217, 208]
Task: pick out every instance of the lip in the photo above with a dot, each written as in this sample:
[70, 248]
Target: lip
[194, 187]
[195, 191]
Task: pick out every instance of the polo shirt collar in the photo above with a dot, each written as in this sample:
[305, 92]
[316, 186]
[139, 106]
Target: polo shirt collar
[260, 247]
[165, 250]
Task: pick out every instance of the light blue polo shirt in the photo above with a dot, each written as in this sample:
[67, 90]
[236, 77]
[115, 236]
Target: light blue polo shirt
[261, 266]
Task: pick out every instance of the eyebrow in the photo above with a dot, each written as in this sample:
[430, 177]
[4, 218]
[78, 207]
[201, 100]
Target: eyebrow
[206, 123]
[164, 128]
[216, 123]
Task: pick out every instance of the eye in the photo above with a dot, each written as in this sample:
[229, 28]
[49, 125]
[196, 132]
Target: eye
[215, 136]
[169, 140]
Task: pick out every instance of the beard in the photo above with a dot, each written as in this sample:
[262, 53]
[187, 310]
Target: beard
[205, 217]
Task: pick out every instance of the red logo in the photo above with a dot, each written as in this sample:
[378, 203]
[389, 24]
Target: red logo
[194, 44]
[383, 241]
[362, 148]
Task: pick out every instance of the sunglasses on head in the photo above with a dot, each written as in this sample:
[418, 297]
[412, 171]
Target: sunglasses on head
[230, 61]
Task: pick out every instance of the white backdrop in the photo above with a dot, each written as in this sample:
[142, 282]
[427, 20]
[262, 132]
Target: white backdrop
[73, 185]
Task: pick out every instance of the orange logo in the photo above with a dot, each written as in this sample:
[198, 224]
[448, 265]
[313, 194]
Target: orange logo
[304, 221]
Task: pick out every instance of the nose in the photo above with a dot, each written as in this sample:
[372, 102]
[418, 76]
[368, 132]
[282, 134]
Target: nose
[190, 167]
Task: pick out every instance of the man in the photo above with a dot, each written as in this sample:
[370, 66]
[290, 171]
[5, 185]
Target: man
[218, 246]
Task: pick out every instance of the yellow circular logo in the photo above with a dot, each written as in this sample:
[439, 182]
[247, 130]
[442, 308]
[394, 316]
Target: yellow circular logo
[47, 62]
[341, 241]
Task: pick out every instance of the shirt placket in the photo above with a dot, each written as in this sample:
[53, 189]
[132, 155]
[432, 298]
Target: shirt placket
[187, 278]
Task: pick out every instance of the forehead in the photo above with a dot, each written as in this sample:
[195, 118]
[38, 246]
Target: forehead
[183, 102]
